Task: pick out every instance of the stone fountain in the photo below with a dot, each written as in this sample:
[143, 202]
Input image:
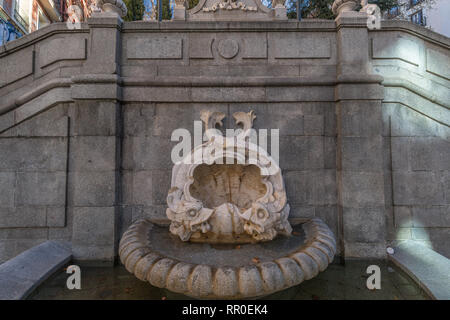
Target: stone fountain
[229, 234]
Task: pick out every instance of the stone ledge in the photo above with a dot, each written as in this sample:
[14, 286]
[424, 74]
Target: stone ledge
[414, 29]
[22, 274]
[425, 266]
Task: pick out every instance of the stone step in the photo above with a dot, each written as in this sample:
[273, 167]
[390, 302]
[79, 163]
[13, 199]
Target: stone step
[20, 275]
[427, 267]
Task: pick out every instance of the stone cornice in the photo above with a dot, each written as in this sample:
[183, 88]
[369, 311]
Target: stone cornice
[39, 35]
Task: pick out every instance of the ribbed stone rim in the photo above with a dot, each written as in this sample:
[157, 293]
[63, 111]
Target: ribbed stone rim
[210, 282]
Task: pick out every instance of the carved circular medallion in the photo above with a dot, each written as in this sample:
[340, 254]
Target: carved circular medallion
[228, 49]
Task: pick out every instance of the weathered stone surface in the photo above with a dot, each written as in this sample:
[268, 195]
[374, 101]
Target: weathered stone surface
[140, 155]
[431, 216]
[437, 63]
[403, 217]
[404, 121]
[142, 188]
[307, 152]
[92, 153]
[364, 224]
[33, 154]
[41, 188]
[430, 154]
[93, 226]
[364, 249]
[93, 121]
[225, 276]
[23, 216]
[200, 46]
[360, 119]
[21, 275]
[56, 216]
[291, 46]
[7, 187]
[312, 188]
[51, 123]
[358, 153]
[74, 49]
[399, 47]
[417, 188]
[93, 188]
[16, 66]
[139, 119]
[288, 118]
[309, 267]
[292, 273]
[361, 189]
[226, 282]
[158, 47]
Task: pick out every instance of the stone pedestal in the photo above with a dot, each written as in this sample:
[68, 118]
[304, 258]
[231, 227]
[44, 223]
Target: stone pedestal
[179, 13]
[94, 166]
[280, 12]
[360, 175]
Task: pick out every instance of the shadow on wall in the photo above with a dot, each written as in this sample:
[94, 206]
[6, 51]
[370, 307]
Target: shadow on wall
[420, 161]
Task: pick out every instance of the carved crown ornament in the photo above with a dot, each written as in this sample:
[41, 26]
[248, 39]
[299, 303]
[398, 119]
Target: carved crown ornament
[213, 201]
[230, 10]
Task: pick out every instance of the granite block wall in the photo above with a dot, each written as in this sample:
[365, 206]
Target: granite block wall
[85, 133]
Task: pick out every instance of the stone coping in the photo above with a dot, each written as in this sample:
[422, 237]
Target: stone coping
[277, 267]
[19, 276]
[425, 266]
[306, 25]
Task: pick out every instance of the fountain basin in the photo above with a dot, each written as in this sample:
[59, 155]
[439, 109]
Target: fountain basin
[226, 271]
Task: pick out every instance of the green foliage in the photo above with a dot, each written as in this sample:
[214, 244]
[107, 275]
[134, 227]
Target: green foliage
[385, 4]
[318, 9]
[321, 9]
[136, 10]
[166, 12]
[192, 3]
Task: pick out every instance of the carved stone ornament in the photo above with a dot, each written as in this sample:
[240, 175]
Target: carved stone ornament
[229, 5]
[340, 6]
[202, 271]
[212, 201]
[213, 205]
[236, 10]
[117, 6]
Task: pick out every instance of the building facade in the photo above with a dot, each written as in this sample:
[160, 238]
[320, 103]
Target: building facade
[433, 15]
[20, 17]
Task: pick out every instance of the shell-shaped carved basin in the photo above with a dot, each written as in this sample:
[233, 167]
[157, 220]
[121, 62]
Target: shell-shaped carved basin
[217, 184]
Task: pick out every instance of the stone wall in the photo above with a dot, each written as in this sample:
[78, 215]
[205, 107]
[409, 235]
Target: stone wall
[416, 135]
[85, 131]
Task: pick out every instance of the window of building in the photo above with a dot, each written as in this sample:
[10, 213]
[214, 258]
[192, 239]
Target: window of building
[8, 32]
[393, 12]
[22, 12]
[42, 19]
[4, 33]
[418, 18]
[412, 3]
